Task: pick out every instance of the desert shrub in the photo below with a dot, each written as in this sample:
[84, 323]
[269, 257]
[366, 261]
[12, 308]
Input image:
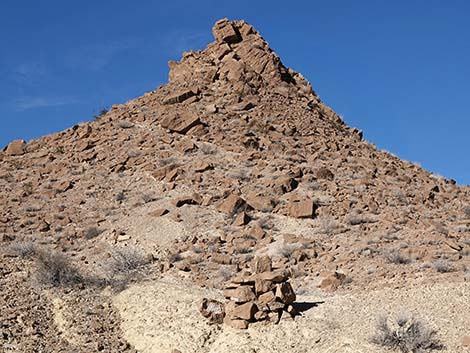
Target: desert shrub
[407, 334]
[466, 211]
[242, 174]
[466, 273]
[102, 111]
[442, 266]
[24, 249]
[120, 196]
[55, 269]
[148, 198]
[123, 265]
[225, 272]
[167, 161]
[207, 148]
[28, 188]
[32, 208]
[92, 232]
[441, 228]
[242, 251]
[397, 258]
[175, 257]
[286, 250]
[124, 124]
[461, 228]
[133, 153]
[266, 223]
[60, 150]
[355, 219]
[327, 225]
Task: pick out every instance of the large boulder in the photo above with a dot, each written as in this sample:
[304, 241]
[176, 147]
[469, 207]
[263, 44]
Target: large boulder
[224, 31]
[16, 148]
[180, 122]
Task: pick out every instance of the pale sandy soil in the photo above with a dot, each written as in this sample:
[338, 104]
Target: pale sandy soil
[162, 315]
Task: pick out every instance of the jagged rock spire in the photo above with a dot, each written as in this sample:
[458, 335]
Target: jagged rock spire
[240, 58]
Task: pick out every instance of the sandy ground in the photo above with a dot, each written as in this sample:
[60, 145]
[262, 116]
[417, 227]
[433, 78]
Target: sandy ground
[162, 315]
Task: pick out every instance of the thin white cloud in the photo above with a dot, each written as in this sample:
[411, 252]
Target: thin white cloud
[27, 103]
[98, 55]
[29, 73]
[180, 41]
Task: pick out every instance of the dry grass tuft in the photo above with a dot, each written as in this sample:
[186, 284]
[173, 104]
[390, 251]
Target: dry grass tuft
[407, 334]
[55, 269]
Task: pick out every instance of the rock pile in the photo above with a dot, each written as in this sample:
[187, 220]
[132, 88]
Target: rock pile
[262, 295]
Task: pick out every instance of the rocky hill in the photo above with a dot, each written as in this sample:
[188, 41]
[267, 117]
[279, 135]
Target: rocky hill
[234, 159]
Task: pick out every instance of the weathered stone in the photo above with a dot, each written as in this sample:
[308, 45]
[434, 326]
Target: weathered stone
[260, 202]
[241, 294]
[302, 209]
[241, 219]
[285, 184]
[277, 276]
[84, 145]
[266, 298]
[224, 31]
[263, 286]
[158, 212]
[164, 171]
[285, 293]
[274, 317]
[332, 281]
[181, 96]
[236, 323]
[201, 166]
[16, 148]
[211, 108]
[324, 173]
[180, 122]
[257, 231]
[223, 259]
[237, 107]
[453, 245]
[243, 277]
[183, 265]
[212, 310]
[261, 315]
[64, 186]
[244, 311]
[123, 237]
[262, 264]
[232, 204]
[187, 200]
[185, 145]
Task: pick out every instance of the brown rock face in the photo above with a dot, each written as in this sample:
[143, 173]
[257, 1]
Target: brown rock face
[332, 281]
[180, 96]
[244, 311]
[241, 294]
[262, 264]
[285, 293]
[16, 148]
[180, 122]
[212, 310]
[224, 31]
[302, 209]
[231, 204]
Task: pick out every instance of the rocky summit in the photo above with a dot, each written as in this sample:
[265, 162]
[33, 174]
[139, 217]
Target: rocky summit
[233, 192]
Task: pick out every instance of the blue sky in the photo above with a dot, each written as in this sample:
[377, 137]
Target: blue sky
[399, 70]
